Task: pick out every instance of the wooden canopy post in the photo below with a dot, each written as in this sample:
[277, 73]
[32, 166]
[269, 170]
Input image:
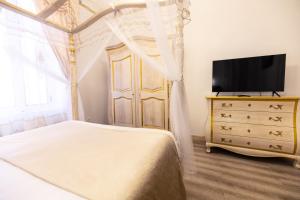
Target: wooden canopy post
[73, 67]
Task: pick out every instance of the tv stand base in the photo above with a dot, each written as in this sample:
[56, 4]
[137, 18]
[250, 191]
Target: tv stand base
[274, 92]
[242, 95]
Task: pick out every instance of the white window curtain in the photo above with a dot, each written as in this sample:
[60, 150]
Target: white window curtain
[34, 89]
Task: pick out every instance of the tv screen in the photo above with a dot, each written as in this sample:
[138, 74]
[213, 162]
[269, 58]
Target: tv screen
[253, 74]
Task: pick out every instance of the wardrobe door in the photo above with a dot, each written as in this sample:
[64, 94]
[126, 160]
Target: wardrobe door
[123, 87]
[153, 101]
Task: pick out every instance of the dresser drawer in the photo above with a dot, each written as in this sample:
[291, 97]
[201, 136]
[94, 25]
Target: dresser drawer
[260, 144]
[265, 118]
[254, 131]
[268, 106]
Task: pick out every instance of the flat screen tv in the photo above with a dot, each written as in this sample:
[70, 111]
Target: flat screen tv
[253, 74]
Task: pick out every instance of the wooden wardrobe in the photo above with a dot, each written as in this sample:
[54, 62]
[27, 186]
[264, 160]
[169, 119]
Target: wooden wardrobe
[139, 93]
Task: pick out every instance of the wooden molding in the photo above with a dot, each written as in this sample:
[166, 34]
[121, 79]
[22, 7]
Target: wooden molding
[136, 38]
[51, 9]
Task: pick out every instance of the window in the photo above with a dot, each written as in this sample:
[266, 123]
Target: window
[32, 84]
[6, 82]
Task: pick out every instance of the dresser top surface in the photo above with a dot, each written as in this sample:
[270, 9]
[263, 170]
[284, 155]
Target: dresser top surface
[254, 98]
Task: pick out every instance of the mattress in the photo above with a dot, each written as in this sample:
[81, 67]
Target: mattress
[77, 160]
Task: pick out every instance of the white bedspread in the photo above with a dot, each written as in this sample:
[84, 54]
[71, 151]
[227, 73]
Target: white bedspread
[16, 184]
[156, 180]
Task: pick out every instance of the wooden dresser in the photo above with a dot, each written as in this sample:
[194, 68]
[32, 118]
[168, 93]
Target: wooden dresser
[255, 126]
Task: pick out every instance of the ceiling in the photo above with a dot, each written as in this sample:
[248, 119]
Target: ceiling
[70, 16]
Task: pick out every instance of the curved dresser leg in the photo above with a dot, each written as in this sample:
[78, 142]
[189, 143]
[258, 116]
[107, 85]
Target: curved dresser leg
[208, 149]
[297, 163]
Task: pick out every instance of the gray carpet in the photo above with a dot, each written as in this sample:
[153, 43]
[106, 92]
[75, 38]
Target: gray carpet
[225, 175]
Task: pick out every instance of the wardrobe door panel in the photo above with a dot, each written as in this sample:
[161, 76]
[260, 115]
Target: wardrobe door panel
[123, 88]
[122, 74]
[151, 80]
[123, 111]
[153, 112]
[153, 97]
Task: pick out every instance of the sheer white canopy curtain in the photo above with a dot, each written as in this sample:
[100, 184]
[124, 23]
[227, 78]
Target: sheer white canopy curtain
[164, 22]
[97, 37]
[34, 83]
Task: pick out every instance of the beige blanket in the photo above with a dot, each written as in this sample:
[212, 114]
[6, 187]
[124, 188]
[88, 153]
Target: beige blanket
[98, 162]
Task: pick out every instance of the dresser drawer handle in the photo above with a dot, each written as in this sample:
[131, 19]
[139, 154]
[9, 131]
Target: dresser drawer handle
[248, 143]
[225, 116]
[224, 140]
[248, 117]
[225, 128]
[276, 147]
[276, 107]
[248, 130]
[275, 119]
[249, 105]
[276, 133]
[224, 105]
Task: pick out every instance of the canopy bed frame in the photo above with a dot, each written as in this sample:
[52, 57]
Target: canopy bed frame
[154, 171]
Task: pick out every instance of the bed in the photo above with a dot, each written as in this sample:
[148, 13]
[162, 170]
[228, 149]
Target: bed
[78, 160]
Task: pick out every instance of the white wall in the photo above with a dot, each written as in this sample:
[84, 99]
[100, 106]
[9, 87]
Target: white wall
[222, 29]
[93, 87]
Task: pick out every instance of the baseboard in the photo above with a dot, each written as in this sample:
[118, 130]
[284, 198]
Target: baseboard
[198, 139]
